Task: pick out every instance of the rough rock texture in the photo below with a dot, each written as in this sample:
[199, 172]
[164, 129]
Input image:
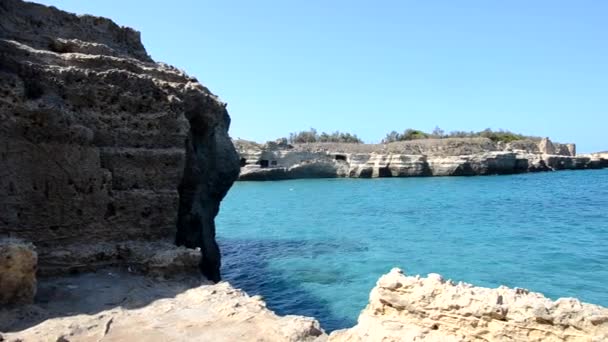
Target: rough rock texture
[600, 157]
[405, 308]
[151, 258]
[115, 305]
[600, 154]
[545, 146]
[99, 143]
[429, 157]
[18, 262]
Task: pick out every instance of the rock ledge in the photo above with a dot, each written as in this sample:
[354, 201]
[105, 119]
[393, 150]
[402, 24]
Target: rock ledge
[403, 308]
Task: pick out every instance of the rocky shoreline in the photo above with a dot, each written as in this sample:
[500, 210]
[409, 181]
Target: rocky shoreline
[412, 308]
[171, 303]
[418, 158]
[114, 167]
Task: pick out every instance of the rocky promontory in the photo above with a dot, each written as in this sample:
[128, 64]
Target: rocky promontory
[99, 143]
[416, 158]
[403, 308]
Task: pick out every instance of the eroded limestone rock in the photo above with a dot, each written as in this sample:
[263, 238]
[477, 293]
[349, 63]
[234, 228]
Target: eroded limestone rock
[99, 143]
[18, 262]
[545, 146]
[417, 158]
[403, 308]
[111, 305]
[598, 158]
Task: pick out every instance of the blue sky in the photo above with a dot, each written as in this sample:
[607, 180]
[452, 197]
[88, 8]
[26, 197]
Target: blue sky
[535, 67]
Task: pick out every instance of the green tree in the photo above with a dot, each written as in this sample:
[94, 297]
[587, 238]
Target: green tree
[414, 134]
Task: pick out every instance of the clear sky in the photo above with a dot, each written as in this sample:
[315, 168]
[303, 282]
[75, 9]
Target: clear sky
[368, 67]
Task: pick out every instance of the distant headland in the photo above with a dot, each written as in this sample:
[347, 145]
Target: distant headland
[413, 153]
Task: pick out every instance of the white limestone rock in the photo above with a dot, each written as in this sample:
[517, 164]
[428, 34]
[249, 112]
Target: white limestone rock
[405, 308]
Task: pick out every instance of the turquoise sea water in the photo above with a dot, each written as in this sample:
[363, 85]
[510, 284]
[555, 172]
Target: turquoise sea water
[316, 247]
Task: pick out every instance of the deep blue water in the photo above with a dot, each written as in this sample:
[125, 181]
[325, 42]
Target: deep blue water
[317, 247]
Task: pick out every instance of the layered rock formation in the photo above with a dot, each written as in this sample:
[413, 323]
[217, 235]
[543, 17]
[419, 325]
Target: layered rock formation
[403, 308]
[429, 157]
[99, 143]
[107, 159]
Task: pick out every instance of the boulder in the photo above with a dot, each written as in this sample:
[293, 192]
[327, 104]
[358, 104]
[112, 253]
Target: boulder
[18, 262]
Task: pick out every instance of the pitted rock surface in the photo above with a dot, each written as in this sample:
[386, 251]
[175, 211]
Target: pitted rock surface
[403, 308]
[98, 142]
[416, 158]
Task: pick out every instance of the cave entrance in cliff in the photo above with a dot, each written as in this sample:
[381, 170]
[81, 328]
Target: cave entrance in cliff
[263, 163]
[385, 172]
[340, 157]
[243, 162]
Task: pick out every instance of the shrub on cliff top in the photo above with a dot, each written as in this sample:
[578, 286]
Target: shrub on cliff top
[438, 133]
[312, 136]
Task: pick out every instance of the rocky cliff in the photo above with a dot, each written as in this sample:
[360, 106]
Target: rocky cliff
[428, 157]
[602, 156]
[99, 143]
[403, 308]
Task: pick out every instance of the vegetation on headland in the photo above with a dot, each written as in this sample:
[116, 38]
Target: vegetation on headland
[438, 133]
[312, 136]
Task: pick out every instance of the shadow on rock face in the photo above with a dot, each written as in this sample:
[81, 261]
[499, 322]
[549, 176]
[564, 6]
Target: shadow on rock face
[91, 293]
[212, 166]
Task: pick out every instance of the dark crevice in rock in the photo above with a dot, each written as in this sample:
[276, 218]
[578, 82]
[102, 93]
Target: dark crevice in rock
[212, 166]
[33, 90]
[464, 169]
[366, 173]
[385, 171]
